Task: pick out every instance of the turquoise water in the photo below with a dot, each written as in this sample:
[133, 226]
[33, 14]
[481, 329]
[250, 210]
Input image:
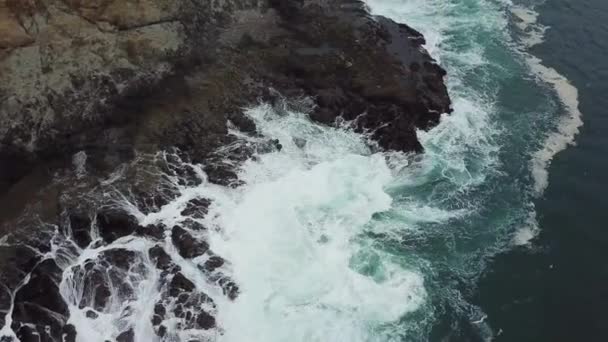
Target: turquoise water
[484, 165]
[332, 240]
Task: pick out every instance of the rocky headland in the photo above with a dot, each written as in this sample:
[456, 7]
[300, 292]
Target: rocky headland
[106, 97]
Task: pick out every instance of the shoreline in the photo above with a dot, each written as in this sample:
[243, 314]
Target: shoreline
[94, 126]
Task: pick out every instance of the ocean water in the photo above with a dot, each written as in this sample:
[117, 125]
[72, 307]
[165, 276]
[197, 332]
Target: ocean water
[556, 290]
[332, 239]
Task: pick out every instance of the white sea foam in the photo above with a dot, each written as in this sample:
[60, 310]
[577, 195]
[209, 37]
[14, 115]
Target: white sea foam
[524, 235]
[438, 20]
[290, 236]
[567, 128]
[532, 33]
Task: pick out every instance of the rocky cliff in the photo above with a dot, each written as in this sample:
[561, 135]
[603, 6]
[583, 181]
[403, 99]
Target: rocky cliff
[108, 83]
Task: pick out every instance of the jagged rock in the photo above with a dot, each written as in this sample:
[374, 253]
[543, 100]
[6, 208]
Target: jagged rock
[154, 231]
[196, 208]
[16, 262]
[122, 65]
[213, 263]
[180, 284]
[115, 223]
[69, 333]
[182, 301]
[162, 259]
[110, 270]
[91, 314]
[221, 174]
[121, 258]
[159, 314]
[188, 246]
[193, 225]
[80, 224]
[229, 287]
[126, 336]
[39, 304]
[205, 320]
[96, 289]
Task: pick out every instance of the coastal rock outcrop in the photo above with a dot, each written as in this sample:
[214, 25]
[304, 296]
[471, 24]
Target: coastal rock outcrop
[108, 77]
[107, 99]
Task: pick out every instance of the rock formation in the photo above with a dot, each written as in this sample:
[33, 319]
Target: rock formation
[114, 80]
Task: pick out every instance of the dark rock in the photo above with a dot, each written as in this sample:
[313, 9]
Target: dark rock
[229, 287]
[196, 208]
[156, 320]
[27, 334]
[241, 121]
[39, 304]
[80, 224]
[205, 320]
[221, 174]
[212, 263]
[91, 314]
[162, 259]
[193, 225]
[180, 284]
[156, 231]
[115, 223]
[126, 336]
[186, 244]
[69, 333]
[96, 285]
[159, 310]
[16, 262]
[118, 257]
[109, 271]
[162, 331]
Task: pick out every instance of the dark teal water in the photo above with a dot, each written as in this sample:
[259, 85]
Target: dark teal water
[526, 257]
[558, 289]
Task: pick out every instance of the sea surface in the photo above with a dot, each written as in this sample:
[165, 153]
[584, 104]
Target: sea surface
[495, 233]
[528, 262]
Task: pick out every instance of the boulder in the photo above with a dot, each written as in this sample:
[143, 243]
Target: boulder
[161, 258]
[196, 208]
[115, 223]
[188, 246]
[39, 308]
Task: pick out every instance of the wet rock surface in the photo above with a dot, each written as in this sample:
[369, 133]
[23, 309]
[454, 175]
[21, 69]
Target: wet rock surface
[188, 246]
[39, 308]
[90, 92]
[114, 224]
[138, 75]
